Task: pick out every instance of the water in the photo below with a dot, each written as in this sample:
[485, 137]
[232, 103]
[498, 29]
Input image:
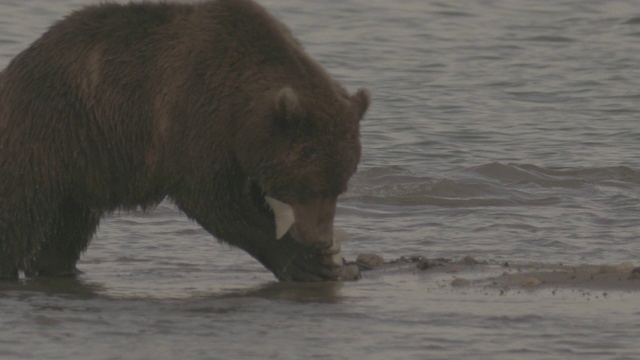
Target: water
[504, 130]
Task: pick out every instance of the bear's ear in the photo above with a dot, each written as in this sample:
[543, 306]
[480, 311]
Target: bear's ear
[361, 100]
[287, 107]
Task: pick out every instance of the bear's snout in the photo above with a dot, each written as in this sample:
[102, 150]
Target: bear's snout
[314, 222]
[310, 222]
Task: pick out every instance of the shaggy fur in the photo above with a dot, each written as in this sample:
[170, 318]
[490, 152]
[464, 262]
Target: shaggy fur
[213, 105]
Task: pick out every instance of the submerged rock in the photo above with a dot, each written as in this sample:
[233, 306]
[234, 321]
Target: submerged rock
[530, 282]
[369, 261]
[350, 272]
[458, 282]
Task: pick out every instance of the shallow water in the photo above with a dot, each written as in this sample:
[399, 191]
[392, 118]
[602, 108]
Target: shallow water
[505, 130]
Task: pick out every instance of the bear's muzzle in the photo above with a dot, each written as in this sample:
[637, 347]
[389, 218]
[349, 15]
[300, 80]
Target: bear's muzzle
[310, 222]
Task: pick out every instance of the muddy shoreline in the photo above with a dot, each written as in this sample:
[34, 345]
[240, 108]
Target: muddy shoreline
[504, 275]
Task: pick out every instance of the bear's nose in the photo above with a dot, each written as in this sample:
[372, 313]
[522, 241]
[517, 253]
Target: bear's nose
[324, 240]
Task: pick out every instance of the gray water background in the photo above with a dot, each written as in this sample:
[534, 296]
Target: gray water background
[503, 129]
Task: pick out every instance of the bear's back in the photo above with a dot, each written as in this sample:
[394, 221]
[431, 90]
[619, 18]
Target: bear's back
[142, 74]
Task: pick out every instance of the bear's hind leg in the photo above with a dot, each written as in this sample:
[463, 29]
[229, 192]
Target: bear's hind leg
[14, 246]
[69, 237]
[7, 268]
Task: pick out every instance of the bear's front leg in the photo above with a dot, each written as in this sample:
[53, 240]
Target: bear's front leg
[69, 236]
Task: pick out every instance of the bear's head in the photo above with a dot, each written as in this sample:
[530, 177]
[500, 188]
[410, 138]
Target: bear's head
[299, 150]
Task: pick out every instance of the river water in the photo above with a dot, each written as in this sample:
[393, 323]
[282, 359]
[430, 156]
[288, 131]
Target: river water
[504, 131]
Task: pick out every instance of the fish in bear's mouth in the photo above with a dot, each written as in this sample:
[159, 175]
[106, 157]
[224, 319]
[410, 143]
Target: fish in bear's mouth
[284, 217]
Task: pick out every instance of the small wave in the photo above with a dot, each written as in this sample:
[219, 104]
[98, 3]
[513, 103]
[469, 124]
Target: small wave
[487, 185]
[397, 186]
[555, 177]
[538, 96]
[550, 38]
[633, 21]
[453, 13]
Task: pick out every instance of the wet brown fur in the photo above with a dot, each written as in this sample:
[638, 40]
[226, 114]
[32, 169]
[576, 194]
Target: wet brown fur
[211, 105]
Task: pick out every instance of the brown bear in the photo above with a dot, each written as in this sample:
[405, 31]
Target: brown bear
[213, 105]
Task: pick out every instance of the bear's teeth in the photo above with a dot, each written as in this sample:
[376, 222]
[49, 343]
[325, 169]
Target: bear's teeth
[284, 216]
